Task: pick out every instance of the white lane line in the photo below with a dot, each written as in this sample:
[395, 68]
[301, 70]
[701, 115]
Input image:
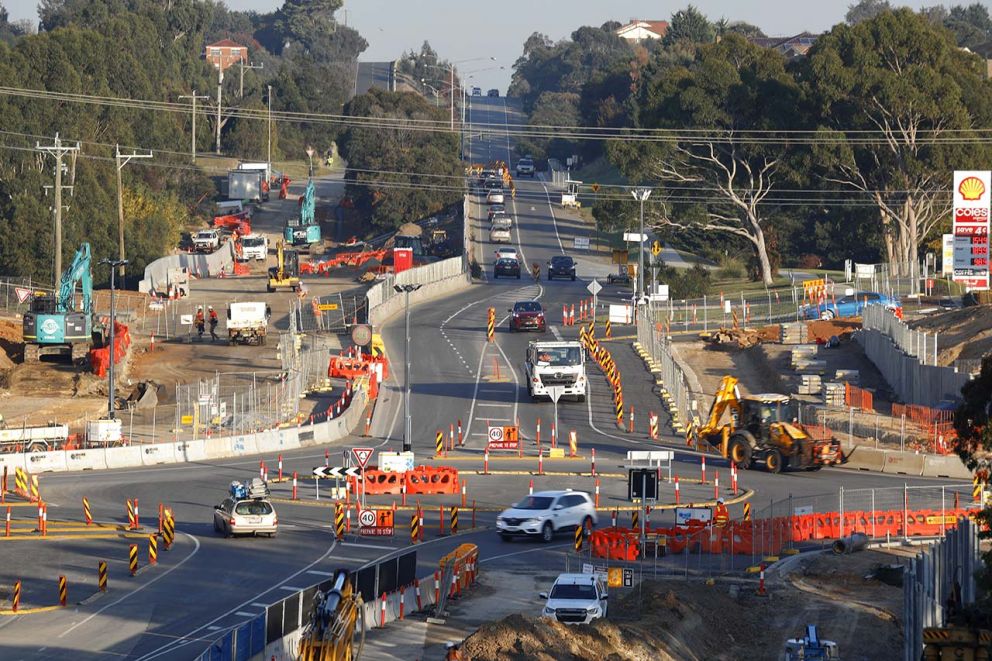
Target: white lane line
[320, 573]
[506, 406]
[510, 555]
[196, 547]
[556, 333]
[290, 588]
[259, 604]
[189, 637]
[214, 628]
[554, 221]
[245, 614]
[369, 546]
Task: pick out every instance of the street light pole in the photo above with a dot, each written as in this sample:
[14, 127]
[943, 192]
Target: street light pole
[640, 194]
[407, 420]
[114, 264]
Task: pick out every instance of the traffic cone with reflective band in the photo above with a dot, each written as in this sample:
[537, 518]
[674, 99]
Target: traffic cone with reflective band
[573, 443]
[702, 464]
[653, 426]
[677, 494]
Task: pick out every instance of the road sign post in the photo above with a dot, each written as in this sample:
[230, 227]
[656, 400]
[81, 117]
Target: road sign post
[362, 456]
[594, 288]
[555, 393]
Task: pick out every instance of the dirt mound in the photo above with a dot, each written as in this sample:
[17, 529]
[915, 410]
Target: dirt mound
[823, 330]
[963, 334]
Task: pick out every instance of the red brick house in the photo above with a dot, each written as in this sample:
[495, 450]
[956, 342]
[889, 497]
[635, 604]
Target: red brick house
[225, 53]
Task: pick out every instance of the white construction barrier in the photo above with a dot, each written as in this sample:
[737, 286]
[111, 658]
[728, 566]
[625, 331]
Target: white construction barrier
[81, 460]
[157, 453]
[124, 457]
[43, 462]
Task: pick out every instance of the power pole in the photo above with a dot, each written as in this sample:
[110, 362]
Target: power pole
[241, 85]
[194, 97]
[269, 159]
[122, 160]
[220, 87]
[59, 151]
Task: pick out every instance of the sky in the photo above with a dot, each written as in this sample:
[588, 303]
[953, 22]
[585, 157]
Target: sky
[468, 29]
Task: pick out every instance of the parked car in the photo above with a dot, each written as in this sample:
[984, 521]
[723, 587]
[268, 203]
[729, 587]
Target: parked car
[527, 315]
[576, 599]
[507, 267]
[525, 166]
[476, 91]
[851, 305]
[247, 511]
[545, 513]
[495, 196]
[493, 92]
[561, 266]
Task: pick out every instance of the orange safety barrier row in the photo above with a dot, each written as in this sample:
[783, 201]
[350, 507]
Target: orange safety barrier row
[100, 358]
[858, 398]
[424, 480]
[771, 536]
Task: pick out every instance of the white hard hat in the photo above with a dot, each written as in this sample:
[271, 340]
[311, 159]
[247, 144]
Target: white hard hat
[720, 501]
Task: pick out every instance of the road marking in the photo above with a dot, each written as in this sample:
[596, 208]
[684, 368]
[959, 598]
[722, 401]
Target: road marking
[554, 221]
[245, 614]
[510, 555]
[214, 628]
[187, 639]
[320, 573]
[556, 333]
[259, 604]
[291, 588]
[196, 547]
[499, 405]
[369, 546]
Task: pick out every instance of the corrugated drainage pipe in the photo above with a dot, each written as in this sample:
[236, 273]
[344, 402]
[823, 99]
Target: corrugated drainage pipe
[856, 542]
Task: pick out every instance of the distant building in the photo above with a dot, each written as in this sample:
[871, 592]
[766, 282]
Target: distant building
[791, 47]
[225, 54]
[984, 51]
[637, 30]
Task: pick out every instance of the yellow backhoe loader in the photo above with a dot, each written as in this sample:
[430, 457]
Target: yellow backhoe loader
[330, 634]
[763, 430]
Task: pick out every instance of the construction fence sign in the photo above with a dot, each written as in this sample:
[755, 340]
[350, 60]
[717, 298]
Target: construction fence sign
[971, 227]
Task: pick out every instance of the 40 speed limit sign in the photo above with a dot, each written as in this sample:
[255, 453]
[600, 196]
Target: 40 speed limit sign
[495, 434]
[366, 518]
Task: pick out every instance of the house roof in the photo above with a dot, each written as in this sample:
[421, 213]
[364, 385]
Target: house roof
[657, 27]
[799, 43]
[225, 43]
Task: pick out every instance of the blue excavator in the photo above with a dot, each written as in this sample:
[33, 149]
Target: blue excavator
[305, 230]
[55, 324]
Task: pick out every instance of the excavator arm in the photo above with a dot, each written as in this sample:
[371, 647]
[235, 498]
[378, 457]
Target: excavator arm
[79, 271]
[727, 397]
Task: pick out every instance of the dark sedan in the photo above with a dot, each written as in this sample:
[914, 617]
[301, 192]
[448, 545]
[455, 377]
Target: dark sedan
[561, 266]
[527, 315]
[506, 267]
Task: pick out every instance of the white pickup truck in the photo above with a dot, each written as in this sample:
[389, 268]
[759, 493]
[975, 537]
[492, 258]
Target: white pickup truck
[556, 364]
[206, 241]
[247, 323]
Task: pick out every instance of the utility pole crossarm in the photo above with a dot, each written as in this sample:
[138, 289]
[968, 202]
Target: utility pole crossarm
[122, 160]
[241, 85]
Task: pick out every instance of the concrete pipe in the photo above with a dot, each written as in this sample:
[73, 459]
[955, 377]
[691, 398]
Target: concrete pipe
[856, 542]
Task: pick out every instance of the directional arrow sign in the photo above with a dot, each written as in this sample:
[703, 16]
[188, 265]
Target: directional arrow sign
[336, 472]
[594, 287]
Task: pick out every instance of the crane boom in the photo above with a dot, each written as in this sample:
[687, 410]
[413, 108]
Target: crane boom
[79, 271]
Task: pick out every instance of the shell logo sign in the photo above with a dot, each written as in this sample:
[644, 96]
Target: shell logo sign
[971, 189]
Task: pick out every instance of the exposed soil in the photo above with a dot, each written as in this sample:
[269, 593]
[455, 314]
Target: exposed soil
[822, 330]
[678, 620]
[962, 334]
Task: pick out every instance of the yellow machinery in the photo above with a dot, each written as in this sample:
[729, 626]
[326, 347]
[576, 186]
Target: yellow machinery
[330, 634]
[286, 272]
[763, 431]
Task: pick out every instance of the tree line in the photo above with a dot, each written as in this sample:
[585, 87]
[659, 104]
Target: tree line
[845, 151]
[148, 50]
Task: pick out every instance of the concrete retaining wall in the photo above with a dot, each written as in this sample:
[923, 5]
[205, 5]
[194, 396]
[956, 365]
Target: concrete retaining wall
[927, 385]
[906, 463]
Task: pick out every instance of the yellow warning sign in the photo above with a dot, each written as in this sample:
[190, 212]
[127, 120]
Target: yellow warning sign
[949, 519]
[186, 420]
[324, 307]
[614, 577]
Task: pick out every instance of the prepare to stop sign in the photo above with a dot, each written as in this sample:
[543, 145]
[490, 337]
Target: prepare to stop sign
[503, 438]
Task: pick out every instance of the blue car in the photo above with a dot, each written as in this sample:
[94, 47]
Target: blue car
[848, 306]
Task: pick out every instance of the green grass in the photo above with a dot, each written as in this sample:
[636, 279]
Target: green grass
[600, 171]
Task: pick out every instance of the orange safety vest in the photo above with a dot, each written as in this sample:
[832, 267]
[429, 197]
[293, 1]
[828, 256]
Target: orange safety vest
[721, 516]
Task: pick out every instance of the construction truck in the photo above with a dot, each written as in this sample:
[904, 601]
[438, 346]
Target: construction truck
[337, 611]
[55, 324]
[763, 430]
[247, 322]
[247, 185]
[305, 229]
[556, 364]
[286, 272]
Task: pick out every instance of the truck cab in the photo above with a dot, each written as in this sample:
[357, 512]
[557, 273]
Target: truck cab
[556, 364]
[255, 246]
[248, 322]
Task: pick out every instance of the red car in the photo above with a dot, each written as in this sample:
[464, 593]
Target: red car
[527, 315]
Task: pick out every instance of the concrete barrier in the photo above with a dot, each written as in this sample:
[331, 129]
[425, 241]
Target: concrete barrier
[189, 451]
[10, 462]
[241, 445]
[124, 457]
[158, 453]
[903, 463]
[43, 462]
[80, 460]
[950, 466]
[866, 459]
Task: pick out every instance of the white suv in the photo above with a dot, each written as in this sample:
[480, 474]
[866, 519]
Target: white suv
[576, 599]
[546, 513]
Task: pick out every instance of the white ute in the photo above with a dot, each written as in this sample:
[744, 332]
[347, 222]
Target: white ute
[556, 364]
[206, 241]
[576, 599]
[247, 322]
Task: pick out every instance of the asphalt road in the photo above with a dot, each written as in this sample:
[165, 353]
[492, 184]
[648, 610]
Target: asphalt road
[207, 584]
